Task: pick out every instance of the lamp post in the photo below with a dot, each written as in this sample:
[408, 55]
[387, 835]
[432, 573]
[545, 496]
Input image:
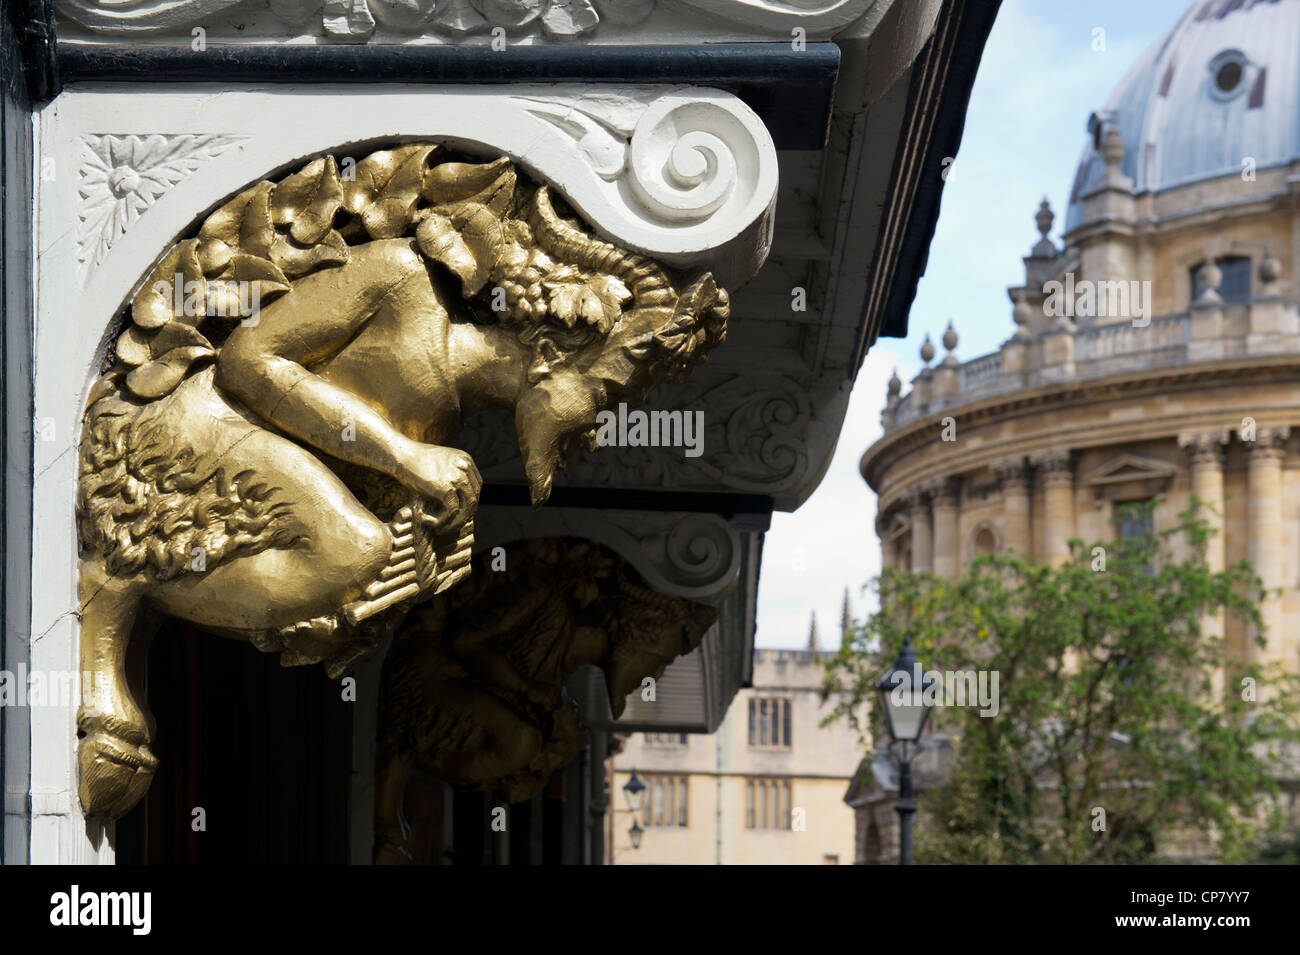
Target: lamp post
[634, 795]
[902, 701]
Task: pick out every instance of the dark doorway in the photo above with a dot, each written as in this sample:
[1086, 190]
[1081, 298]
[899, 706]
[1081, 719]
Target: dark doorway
[264, 751]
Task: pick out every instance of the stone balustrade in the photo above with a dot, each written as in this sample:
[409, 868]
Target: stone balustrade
[1067, 352]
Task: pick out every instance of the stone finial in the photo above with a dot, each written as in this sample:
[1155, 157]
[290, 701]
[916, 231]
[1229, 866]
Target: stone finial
[927, 350]
[1208, 276]
[1112, 154]
[950, 343]
[1270, 270]
[895, 385]
[814, 644]
[950, 337]
[1044, 248]
[1044, 218]
[1022, 314]
[846, 616]
[1112, 150]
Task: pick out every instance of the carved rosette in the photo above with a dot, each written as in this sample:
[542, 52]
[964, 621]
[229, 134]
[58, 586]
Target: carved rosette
[122, 176]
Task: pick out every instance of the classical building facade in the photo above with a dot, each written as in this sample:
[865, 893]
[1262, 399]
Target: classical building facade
[326, 293]
[1155, 352]
[765, 788]
[1156, 348]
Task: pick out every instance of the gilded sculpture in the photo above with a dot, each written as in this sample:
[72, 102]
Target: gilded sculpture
[473, 687]
[263, 454]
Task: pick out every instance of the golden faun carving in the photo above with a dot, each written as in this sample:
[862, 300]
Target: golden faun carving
[473, 684]
[263, 454]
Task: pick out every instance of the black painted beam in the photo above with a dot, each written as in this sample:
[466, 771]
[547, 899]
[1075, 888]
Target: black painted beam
[791, 90]
[751, 512]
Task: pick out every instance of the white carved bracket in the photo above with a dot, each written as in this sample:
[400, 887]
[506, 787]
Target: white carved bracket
[696, 556]
[684, 174]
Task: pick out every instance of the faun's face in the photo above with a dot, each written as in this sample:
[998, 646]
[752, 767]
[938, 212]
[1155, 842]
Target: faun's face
[549, 417]
[558, 413]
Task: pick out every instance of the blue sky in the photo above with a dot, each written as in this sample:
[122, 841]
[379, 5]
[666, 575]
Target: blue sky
[1038, 81]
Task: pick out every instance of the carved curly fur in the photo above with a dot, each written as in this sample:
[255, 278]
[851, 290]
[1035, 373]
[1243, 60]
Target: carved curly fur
[141, 505]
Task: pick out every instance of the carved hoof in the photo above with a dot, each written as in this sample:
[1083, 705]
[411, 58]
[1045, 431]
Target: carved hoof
[114, 774]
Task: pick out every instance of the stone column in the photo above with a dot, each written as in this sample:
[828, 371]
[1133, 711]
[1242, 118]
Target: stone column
[922, 538]
[1014, 481]
[1264, 499]
[946, 556]
[1056, 477]
[888, 549]
[1205, 450]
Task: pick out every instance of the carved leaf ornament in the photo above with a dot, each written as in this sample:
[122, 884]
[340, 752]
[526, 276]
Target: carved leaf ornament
[254, 246]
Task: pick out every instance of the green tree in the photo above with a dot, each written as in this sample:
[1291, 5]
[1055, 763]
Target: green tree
[1105, 701]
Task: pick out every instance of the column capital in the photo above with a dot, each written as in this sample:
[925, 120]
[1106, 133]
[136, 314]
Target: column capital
[1205, 448]
[944, 491]
[1269, 443]
[1054, 466]
[917, 497]
[1012, 474]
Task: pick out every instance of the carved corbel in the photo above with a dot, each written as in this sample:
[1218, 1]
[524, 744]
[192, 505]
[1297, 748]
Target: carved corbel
[696, 556]
[232, 477]
[473, 685]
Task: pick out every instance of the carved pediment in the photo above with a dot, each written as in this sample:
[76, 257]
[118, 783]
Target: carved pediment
[898, 528]
[1129, 477]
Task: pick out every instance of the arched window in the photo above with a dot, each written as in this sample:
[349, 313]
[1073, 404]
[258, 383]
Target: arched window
[984, 539]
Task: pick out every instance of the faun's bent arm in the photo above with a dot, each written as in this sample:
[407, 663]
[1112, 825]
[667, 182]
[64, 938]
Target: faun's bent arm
[266, 364]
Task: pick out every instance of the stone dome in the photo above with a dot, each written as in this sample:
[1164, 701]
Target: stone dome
[1223, 85]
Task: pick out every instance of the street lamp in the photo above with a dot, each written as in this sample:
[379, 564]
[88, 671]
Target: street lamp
[634, 792]
[635, 834]
[902, 701]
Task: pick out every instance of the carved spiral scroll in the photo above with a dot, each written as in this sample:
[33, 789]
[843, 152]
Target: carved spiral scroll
[690, 158]
[703, 551]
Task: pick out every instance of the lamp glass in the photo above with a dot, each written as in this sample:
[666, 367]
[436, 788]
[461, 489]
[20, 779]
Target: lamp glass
[902, 697]
[905, 711]
[634, 792]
